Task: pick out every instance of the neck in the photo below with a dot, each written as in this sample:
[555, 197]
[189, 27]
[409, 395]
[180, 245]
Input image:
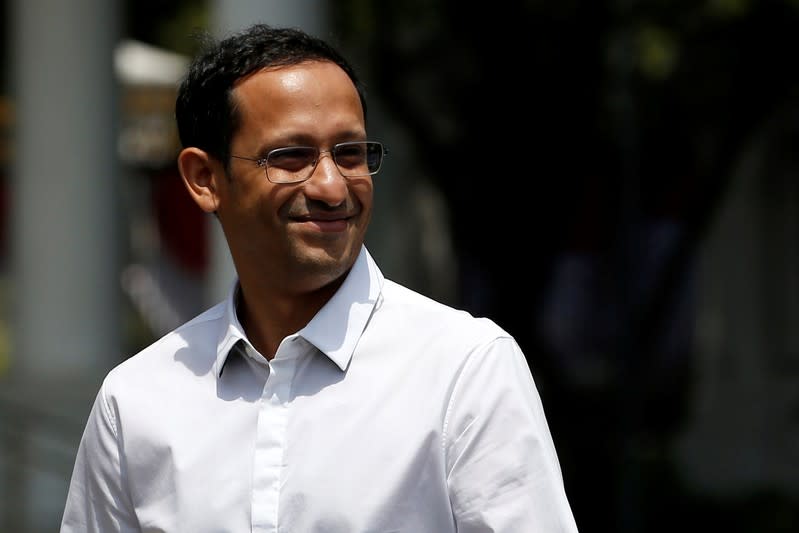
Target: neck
[268, 316]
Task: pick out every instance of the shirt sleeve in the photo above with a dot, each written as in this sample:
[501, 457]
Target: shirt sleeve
[98, 499]
[503, 472]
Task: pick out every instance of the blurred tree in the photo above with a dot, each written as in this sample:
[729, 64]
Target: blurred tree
[169, 25]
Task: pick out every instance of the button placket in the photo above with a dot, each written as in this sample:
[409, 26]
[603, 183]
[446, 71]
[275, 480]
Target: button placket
[271, 438]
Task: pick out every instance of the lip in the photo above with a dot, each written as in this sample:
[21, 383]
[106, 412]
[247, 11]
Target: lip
[324, 222]
[321, 217]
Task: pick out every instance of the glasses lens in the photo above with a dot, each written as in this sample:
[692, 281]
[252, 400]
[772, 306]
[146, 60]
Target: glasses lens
[289, 165]
[358, 158]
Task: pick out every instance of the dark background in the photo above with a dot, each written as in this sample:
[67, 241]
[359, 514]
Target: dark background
[608, 132]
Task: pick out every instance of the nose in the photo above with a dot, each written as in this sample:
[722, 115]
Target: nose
[326, 182]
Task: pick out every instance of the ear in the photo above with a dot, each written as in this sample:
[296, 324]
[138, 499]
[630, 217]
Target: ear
[201, 174]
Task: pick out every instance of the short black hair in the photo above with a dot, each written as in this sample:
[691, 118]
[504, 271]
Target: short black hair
[205, 113]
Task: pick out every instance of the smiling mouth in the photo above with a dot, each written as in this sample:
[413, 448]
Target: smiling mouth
[322, 217]
[323, 224]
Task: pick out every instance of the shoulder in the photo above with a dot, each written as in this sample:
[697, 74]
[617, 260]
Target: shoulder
[191, 347]
[424, 316]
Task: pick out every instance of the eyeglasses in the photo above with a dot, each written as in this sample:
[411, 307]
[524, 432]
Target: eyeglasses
[295, 164]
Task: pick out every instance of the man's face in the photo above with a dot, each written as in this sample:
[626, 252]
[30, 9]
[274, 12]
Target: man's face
[305, 235]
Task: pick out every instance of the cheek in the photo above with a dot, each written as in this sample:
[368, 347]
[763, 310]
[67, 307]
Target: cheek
[362, 190]
[286, 200]
[259, 194]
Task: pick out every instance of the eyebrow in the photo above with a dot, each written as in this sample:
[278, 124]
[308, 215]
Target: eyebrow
[304, 139]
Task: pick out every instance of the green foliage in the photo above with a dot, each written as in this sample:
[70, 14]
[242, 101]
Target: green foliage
[177, 32]
[657, 51]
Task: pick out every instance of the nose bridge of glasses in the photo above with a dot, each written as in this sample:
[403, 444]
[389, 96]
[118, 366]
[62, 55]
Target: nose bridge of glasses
[321, 153]
[318, 159]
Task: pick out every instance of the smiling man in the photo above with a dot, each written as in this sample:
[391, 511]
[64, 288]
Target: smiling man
[319, 396]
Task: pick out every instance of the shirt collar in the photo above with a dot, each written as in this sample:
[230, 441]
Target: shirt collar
[336, 327]
[339, 324]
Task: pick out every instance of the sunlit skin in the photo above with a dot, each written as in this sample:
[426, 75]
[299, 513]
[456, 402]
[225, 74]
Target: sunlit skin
[292, 244]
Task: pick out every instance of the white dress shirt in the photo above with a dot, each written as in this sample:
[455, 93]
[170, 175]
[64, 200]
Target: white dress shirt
[388, 412]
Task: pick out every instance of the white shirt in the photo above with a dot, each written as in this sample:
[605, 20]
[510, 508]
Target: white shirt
[388, 412]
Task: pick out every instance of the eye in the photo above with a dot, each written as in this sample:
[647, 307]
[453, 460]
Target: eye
[292, 159]
[350, 155]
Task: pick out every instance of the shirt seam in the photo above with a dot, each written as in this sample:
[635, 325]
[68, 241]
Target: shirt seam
[109, 413]
[481, 348]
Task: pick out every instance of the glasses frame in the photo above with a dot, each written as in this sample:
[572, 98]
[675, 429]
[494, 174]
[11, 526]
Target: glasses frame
[263, 162]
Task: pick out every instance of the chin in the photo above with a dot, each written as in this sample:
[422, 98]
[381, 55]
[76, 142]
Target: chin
[328, 262]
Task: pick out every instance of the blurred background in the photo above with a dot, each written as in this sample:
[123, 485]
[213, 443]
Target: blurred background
[614, 182]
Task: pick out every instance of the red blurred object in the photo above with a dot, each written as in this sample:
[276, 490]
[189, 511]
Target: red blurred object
[181, 224]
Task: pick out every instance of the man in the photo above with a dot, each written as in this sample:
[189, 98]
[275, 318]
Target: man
[320, 396]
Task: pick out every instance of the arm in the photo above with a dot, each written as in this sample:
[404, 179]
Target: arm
[503, 470]
[98, 500]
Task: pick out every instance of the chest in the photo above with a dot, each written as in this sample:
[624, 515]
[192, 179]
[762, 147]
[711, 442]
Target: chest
[316, 450]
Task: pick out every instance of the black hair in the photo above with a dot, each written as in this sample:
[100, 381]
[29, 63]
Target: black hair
[204, 109]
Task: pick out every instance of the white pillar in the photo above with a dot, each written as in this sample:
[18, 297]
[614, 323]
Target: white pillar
[308, 15]
[64, 176]
[64, 305]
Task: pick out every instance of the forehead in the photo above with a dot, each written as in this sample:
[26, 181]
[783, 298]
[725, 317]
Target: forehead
[303, 95]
